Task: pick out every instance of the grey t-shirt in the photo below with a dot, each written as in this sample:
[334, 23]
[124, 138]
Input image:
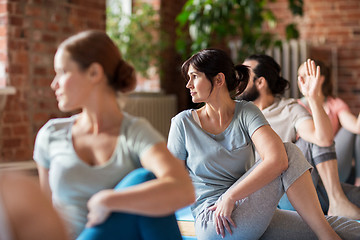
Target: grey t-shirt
[215, 162]
[284, 116]
[72, 181]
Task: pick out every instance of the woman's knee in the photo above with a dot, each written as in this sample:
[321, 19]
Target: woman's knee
[136, 177]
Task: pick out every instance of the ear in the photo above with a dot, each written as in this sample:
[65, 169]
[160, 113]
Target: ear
[260, 83]
[95, 72]
[219, 79]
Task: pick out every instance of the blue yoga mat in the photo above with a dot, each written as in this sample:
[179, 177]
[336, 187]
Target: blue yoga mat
[184, 214]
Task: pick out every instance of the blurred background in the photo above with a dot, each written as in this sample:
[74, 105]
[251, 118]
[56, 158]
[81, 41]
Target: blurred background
[156, 36]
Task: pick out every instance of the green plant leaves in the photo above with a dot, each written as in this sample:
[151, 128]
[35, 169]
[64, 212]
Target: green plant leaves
[137, 36]
[213, 22]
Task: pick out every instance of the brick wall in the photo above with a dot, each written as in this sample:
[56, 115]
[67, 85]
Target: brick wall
[332, 23]
[30, 31]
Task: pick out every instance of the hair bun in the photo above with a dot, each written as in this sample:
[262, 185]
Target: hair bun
[124, 79]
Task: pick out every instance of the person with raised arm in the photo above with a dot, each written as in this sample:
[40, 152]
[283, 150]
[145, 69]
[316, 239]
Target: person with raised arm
[312, 133]
[345, 124]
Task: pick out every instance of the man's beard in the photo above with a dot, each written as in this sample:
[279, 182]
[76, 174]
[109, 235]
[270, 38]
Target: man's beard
[250, 95]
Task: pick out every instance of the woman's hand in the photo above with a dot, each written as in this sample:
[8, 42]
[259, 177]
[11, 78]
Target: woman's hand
[222, 214]
[98, 211]
[310, 83]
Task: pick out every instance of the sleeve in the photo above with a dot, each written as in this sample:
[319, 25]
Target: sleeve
[254, 118]
[298, 113]
[41, 147]
[142, 136]
[176, 139]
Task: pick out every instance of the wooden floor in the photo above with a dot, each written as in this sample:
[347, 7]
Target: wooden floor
[187, 228]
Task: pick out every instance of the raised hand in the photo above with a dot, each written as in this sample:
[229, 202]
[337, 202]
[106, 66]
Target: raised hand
[310, 82]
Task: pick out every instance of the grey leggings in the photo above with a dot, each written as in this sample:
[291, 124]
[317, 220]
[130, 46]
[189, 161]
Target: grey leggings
[257, 216]
[347, 146]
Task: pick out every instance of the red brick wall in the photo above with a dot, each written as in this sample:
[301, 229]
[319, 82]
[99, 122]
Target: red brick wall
[332, 23]
[34, 29]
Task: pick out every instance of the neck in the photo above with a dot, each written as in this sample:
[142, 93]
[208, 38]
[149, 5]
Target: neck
[102, 115]
[264, 101]
[220, 110]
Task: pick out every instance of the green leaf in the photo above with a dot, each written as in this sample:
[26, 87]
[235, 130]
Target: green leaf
[292, 32]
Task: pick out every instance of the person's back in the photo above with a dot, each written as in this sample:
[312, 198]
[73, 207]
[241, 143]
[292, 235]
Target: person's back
[284, 115]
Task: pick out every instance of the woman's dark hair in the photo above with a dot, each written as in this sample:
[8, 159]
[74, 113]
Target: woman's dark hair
[268, 68]
[214, 61]
[327, 86]
[93, 46]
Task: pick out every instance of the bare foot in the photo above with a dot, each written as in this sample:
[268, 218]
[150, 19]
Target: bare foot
[344, 208]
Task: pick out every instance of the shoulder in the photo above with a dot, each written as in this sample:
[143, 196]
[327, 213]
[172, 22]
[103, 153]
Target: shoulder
[288, 102]
[56, 126]
[249, 113]
[335, 101]
[245, 109]
[291, 104]
[246, 106]
[139, 128]
[181, 117]
[336, 104]
[133, 123]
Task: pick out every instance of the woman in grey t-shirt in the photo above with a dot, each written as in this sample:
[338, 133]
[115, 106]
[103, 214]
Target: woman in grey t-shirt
[218, 142]
[82, 158]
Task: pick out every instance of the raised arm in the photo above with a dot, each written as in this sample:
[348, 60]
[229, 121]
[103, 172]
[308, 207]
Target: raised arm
[319, 130]
[350, 122]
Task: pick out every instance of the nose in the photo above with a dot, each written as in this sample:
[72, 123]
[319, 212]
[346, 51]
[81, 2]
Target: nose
[189, 84]
[54, 84]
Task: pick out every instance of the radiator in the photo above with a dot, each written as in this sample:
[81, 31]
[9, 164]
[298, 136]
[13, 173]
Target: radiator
[290, 56]
[293, 53]
[157, 108]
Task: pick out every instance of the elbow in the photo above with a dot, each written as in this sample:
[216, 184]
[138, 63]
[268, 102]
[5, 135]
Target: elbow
[284, 164]
[279, 165]
[189, 194]
[325, 142]
[184, 193]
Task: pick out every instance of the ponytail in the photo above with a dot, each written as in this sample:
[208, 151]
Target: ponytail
[242, 75]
